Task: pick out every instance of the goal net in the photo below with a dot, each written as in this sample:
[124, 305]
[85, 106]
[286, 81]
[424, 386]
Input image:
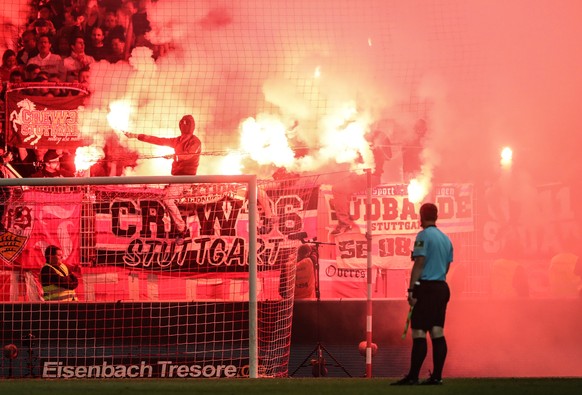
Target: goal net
[149, 304]
[276, 88]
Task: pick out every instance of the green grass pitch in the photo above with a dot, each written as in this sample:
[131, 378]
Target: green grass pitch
[291, 386]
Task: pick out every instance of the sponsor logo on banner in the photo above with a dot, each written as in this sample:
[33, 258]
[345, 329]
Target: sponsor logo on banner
[352, 283]
[164, 368]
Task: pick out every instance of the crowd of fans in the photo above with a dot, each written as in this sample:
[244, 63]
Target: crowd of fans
[59, 42]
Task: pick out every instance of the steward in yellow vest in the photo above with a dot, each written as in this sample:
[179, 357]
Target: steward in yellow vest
[58, 283]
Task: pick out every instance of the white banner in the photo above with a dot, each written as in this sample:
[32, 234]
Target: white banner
[395, 222]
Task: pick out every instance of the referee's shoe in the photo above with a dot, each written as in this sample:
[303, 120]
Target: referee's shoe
[405, 381]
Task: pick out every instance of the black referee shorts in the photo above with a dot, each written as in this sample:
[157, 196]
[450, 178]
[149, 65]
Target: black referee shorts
[431, 305]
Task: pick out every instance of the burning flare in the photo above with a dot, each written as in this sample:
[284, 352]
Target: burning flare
[416, 191]
[506, 157]
[264, 138]
[118, 116]
[85, 157]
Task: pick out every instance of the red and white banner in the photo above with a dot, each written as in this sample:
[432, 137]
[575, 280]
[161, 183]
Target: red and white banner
[43, 122]
[347, 283]
[134, 255]
[130, 241]
[36, 220]
[134, 229]
[395, 223]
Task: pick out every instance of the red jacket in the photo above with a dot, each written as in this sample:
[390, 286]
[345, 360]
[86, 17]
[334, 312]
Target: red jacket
[187, 150]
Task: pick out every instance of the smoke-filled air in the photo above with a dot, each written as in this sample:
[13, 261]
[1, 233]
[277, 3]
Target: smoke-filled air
[300, 84]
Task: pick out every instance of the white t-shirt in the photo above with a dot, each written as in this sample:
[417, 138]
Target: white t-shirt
[74, 63]
[52, 64]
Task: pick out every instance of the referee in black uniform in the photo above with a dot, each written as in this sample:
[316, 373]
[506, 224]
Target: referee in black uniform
[428, 295]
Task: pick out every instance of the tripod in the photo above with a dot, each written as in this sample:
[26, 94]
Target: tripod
[28, 341]
[318, 363]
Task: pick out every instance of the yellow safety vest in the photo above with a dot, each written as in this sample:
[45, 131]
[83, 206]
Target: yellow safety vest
[54, 292]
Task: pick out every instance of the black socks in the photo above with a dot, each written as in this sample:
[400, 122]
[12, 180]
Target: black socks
[439, 354]
[419, 349]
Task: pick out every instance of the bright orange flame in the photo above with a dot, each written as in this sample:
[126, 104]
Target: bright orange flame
[85, 157]
[158, 161]
[231, 164]
[506, 157]
[265, 140]
[118, 116]
[344, 139]
[317, 72]
[416, 191]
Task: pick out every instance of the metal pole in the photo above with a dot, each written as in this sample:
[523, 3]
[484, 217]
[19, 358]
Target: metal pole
[253, 315]
[369, 276]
